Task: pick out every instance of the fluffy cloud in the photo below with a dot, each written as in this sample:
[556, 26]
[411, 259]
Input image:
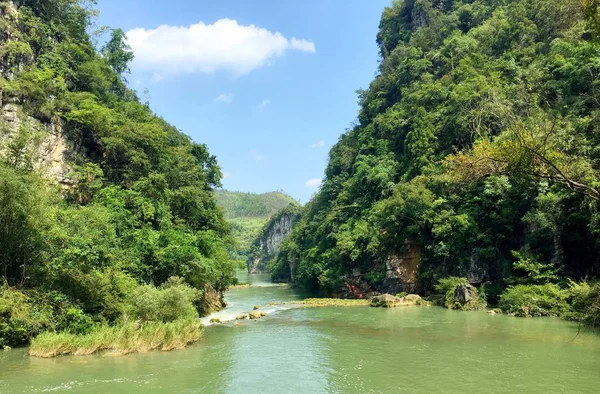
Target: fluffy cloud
[226, 98]
[318, 144]
[207, 48]
[313, 182]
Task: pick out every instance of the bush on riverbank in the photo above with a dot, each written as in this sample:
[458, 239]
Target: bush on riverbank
[171, 301]
[24, 315]
[156, 318]
[585, 300]
[535, 300]
[130, 337]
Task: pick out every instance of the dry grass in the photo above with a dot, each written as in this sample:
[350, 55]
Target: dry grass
[128, 338]
[314, 302]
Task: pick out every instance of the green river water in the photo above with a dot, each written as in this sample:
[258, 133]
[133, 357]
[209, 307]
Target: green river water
[335, 350]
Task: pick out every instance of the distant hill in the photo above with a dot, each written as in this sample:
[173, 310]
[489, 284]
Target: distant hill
[249, 212]
[251, 205]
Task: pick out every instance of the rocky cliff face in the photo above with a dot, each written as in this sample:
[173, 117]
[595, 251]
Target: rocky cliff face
[401, 270]
[26, 141]
[267, 244]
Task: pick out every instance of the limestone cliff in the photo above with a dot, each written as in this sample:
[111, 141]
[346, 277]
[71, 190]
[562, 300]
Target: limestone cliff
[26, 141]
[266, 246]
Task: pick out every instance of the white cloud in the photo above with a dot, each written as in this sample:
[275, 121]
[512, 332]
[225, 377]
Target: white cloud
[318, 144]
[264, 103]
[302, 45]
[157, 77]
[259, 158]
[226, 175]
[207, 48]
[226, 98]
[314, 182]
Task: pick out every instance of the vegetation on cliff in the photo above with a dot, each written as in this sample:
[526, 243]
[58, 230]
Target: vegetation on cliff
[136, 206]
[478, 142]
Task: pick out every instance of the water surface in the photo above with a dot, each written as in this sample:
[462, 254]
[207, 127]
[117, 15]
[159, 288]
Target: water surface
[335, 350]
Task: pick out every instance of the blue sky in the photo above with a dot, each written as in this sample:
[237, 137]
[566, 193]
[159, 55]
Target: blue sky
[268, 85]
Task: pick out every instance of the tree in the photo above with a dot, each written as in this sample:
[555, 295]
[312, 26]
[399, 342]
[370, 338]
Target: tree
[117, 52]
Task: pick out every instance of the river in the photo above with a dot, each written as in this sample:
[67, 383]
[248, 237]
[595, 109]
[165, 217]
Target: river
[335, 350]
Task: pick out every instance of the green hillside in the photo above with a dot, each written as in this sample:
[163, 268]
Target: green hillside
[251, 205]
[249, 212]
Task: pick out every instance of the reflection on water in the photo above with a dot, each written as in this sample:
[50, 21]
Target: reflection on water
[335, 350]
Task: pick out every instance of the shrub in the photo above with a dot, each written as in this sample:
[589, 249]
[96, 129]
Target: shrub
[25, 315]
[585, 301]
[172, 301]
[20, 318]
[535, 300]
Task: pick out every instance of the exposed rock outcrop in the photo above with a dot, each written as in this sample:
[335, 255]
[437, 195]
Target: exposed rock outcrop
[464, 293]
[45, 148]
[268, 243]
[390, 301]
[211, 301]
[401, 270]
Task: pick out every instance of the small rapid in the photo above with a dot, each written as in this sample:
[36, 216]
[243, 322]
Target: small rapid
[257, 290]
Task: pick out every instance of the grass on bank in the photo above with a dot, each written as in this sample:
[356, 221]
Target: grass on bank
[334, 302]
[132, 337]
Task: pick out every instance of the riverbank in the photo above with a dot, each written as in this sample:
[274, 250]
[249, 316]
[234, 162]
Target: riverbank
[119, 340]
[352, 349]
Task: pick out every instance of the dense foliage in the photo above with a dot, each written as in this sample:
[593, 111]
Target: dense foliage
[137, 205]
[477, 141]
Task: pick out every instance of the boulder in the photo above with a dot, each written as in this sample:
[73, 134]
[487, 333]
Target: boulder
[256, 315]
[242, 317]
[464, 293]
[385, 301]
[389, 301]
[411, 299]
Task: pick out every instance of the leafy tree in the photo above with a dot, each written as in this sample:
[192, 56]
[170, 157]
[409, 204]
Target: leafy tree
[117, 52]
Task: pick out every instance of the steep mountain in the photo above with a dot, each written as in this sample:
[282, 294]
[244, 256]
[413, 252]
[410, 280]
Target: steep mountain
[266, 245]
[475, 154]
[248, 213]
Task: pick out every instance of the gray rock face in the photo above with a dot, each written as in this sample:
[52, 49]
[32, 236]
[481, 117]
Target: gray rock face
[401, 270]
[270, 240]
[46, 147]
[464, 293]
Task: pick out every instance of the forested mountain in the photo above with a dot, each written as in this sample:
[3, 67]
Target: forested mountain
[248, 214]
[250, 205]
[98, 195]
[476, 151]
